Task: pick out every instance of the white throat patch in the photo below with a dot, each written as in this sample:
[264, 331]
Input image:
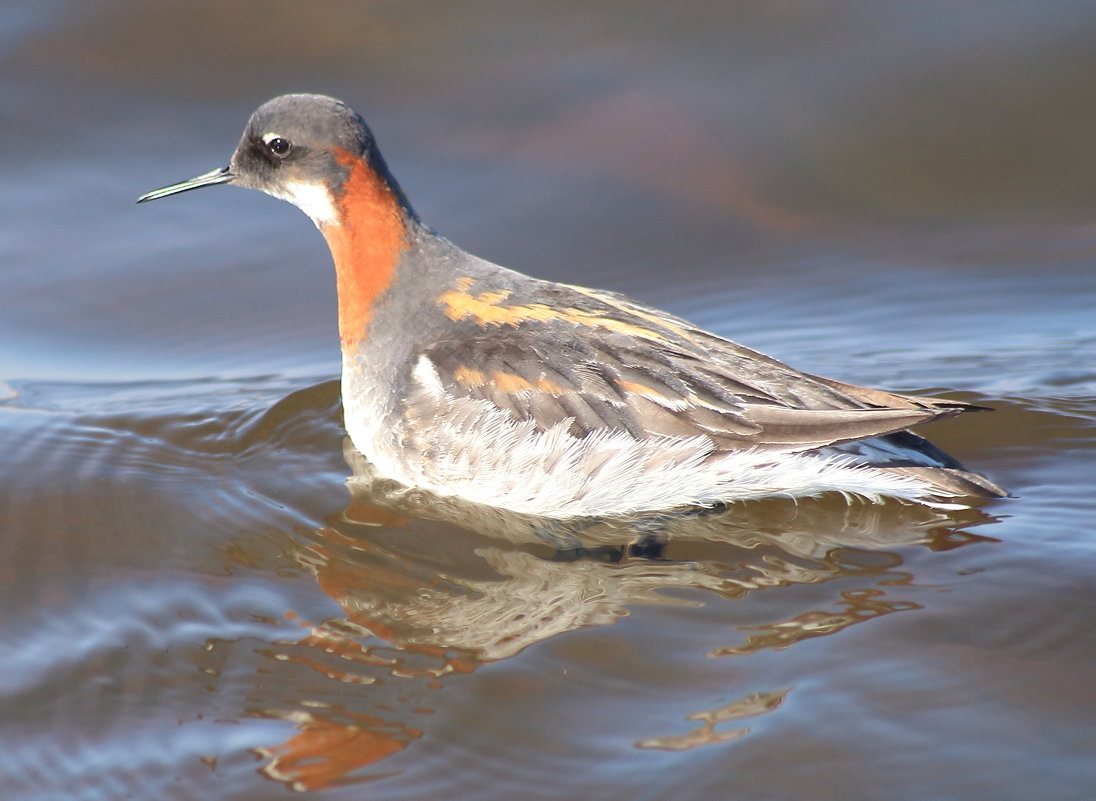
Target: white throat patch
[315, 200]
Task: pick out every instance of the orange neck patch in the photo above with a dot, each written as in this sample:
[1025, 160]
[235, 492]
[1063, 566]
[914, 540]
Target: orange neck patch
[366, 244]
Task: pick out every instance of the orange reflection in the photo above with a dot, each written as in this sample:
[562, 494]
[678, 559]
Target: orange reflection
[325, 751]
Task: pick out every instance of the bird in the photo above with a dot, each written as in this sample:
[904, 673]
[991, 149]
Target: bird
[473, 381]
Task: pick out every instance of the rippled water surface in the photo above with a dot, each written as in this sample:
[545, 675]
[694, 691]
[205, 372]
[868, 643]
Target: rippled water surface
[207, 595]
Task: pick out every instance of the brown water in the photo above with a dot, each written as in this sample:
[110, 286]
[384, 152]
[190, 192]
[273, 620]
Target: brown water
[205, 598]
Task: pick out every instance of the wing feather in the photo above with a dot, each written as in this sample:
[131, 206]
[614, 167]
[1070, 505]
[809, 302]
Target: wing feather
[668, 380]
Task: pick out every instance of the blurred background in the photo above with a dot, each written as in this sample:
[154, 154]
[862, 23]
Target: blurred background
[743, 148]
[889, 193]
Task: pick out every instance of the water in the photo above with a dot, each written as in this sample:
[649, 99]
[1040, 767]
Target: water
[205, 597]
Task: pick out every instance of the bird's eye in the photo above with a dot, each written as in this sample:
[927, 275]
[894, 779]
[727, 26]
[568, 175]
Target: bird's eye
[278, 146]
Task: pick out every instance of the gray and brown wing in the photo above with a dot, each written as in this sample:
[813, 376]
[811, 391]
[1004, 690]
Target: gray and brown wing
[650, 374]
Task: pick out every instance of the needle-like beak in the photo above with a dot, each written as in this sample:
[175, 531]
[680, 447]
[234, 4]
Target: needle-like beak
[221, 176]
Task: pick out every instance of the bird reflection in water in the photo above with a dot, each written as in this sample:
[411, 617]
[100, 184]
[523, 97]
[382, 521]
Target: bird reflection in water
[414, 616]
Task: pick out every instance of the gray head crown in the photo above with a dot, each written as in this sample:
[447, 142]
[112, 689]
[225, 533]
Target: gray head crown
[296, 137]
[294, 144]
